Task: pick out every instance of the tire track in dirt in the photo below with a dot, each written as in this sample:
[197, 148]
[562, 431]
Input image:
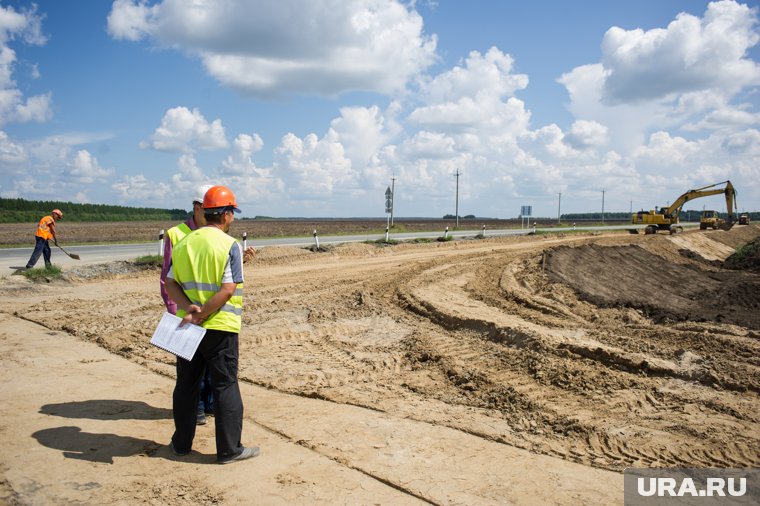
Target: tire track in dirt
[446, 302]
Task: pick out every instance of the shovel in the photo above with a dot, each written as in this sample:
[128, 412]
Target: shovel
[72, 255]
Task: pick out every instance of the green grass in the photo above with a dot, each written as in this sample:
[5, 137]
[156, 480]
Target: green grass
[752, 248]
[383, 242]
[150, 261]
[46, 274]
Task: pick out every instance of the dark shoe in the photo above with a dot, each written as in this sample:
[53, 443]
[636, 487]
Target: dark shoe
[247, 453]
[175, 452]
[200, 419]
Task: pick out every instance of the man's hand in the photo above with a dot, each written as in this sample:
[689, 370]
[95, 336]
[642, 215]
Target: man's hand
[249, 254]
[192, 316]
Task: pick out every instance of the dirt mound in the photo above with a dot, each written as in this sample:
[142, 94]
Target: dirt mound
[630, 276]
[111, 270]
[737, 236]
[746, 258]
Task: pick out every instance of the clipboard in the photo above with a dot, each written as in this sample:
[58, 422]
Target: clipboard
[180, 341]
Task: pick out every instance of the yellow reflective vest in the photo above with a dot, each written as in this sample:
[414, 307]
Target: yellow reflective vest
[176, 234]
[198, 262]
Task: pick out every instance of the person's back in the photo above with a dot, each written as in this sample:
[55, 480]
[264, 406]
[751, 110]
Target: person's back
[174, 235]
[199, 264]
[206, 281]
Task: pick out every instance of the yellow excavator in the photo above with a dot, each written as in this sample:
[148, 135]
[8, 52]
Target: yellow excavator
[666, 218]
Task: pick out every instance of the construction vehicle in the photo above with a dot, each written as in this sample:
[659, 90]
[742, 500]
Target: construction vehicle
[666, 218]
[744, 219]
[710, 219]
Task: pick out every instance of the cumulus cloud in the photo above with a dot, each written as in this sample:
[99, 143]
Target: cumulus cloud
[138, 190]
[476, 95]
[263, 48]
[11, 153]
[14, 107]
[690, 54]
[241, 160]
[314, 168]
[183, 130]
[84, 168]
[585, 134]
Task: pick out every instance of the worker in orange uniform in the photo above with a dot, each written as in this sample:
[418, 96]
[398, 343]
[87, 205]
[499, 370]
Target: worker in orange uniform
[45, 232]
[205, 280]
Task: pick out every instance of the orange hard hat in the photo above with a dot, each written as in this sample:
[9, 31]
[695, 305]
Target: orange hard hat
[219, 197]
[58, 212]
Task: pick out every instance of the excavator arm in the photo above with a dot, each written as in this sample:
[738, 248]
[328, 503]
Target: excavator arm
[674, 209]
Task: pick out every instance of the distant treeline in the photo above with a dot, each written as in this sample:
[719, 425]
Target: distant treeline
[683, 216]
[20, 211]
[595, 216]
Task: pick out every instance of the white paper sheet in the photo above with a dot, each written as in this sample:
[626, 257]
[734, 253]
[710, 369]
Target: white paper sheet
[181, 341]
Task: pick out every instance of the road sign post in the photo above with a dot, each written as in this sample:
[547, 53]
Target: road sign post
[525, 212]
[388, 210]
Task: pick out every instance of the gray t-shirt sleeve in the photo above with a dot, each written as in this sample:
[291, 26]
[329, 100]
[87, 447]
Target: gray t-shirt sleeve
[233, 271]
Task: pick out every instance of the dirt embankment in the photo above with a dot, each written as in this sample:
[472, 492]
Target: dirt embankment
[492, 338]
[630, 276]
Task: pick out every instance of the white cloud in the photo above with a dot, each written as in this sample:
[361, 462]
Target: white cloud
[584, 134]
[11, 153]
[241, 160]
[132, 20]
[362, 132]
[690, 54]
[138, 190]
[84, 169]
[476, 96]
[429, 145]
[313, 168]
[14, 107]
[323, 47]
[489, 74]
[183, 130]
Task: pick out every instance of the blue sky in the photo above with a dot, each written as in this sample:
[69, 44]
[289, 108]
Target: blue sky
[309, 108]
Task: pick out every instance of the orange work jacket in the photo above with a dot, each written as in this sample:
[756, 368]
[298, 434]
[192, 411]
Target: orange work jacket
[43, 229]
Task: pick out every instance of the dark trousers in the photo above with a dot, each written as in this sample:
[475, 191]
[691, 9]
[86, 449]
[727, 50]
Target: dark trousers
[218, 354]
[41, 247]
[206, 401]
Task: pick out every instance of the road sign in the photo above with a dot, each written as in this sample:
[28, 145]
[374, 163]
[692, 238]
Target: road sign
[388, 200]
[526, 211]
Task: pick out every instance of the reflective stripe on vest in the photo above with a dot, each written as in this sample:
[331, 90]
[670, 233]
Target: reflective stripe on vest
[175, 234]
[43, 228]
[198, 262]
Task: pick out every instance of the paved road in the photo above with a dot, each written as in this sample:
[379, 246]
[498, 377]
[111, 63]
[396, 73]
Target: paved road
[13, 258]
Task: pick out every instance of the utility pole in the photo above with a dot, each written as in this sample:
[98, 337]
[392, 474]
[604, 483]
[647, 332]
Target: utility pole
[559, 207]
[456, 212]
[603, 190]
[393, 196]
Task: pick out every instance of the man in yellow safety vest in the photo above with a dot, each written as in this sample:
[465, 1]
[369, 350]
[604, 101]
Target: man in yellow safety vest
[205, 280]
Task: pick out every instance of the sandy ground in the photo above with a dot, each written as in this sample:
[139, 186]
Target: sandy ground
[468, 372]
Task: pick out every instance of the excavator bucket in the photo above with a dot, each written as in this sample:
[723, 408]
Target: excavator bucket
[727, 225]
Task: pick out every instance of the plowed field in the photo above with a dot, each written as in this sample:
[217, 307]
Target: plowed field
[607, 351]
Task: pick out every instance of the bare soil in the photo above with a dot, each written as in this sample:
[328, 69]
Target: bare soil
[504, 370]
